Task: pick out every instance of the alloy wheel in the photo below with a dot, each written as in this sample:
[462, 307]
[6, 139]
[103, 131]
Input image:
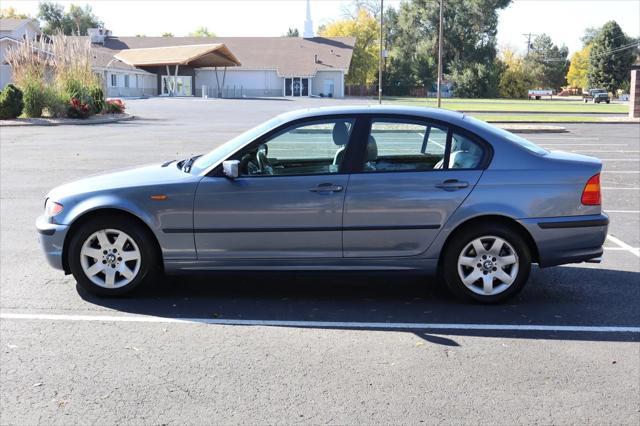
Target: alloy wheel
[488, 265]
[110, 258]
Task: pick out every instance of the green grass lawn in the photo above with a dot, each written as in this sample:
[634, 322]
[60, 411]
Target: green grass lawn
[572, 105]
[537, 118]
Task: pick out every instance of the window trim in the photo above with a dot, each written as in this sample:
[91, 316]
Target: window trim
[345, 169]
[487, 155]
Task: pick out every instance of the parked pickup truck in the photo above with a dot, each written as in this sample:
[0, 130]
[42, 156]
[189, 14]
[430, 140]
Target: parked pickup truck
[596, 96]
[538, 93]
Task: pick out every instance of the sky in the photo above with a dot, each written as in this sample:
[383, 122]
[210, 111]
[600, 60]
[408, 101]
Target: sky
[563, 20]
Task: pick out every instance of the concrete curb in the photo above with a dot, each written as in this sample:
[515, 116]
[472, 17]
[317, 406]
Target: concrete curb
[65, 121]
[515, 128]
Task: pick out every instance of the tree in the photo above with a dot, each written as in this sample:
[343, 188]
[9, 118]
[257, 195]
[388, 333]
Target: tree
[589, 34]
[579, 68]
[515, 81]
[547, 63]
[292, 32]
[11, 13]
[611, 56]
[167, 34]
[74, 22]
[470, 29]
[365, 28]
[202, 32]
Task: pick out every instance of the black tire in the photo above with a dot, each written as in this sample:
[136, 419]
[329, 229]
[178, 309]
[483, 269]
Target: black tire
[149, 259]
[466, 235]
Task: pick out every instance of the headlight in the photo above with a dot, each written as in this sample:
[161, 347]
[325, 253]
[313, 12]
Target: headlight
[51, 208]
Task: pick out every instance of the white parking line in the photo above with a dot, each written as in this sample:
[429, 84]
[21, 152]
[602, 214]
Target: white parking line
[622, 171]
[323, 324]
[581, 144]
[615, 187]
[617, 151]
[637, 160]
[622, 211]
[625, 246]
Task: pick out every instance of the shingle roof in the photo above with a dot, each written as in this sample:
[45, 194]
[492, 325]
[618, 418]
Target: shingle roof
[198, 55]
[12, 24]
[289, 56]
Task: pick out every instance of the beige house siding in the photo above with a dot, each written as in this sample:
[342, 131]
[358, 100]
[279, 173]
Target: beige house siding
[5, 75]
[237, 83]
[318, 83]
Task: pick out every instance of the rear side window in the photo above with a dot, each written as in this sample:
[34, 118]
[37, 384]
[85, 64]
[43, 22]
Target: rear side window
[395, 145]
[465, 153]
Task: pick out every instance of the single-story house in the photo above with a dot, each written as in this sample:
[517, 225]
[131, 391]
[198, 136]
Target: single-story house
[12, 32]
[261, 66]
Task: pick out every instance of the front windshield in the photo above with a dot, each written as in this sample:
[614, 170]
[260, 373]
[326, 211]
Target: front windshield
[225, 150]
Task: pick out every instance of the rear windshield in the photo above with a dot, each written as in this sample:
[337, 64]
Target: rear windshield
[525, 143]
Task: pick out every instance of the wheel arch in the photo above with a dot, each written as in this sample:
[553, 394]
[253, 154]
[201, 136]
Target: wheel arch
[106, 212]
[493, 219]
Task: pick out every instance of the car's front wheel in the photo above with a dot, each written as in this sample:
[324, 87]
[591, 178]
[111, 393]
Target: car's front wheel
[488, 264]
[111, 257]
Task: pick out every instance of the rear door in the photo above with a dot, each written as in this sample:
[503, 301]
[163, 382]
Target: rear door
[414, 175]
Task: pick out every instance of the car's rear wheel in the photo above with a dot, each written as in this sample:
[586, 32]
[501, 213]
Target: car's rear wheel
[488, 264]
[112, 257]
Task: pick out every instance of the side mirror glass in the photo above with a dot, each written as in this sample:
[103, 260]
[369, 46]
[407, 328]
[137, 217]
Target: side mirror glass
[231, 168]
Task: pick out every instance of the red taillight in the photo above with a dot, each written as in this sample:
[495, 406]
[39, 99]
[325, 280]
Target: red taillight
[591, 192]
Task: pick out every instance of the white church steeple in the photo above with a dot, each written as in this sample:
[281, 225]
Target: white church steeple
[308, 23]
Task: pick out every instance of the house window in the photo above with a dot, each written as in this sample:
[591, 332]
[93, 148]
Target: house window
[114, 80]
[126, 80]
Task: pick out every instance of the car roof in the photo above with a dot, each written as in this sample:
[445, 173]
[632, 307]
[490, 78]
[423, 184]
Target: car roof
[453, 117]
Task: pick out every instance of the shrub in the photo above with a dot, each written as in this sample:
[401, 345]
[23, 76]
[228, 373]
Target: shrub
[11, 102]
[78, 109]
[97, 97]
[56, 104]
[34, 98]
[114, 106]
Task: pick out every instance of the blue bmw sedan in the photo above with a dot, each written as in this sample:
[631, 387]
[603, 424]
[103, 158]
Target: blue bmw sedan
[339, 188]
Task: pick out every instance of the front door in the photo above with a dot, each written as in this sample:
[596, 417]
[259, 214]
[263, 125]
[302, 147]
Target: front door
[407, 189]
[287, 201]
[180, 85]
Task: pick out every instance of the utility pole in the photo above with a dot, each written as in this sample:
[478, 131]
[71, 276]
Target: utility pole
[440, 57]
[381, 52]
[528, 36]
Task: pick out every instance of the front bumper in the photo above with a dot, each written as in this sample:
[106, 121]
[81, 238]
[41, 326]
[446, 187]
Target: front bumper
[51, 238]
[568, 239]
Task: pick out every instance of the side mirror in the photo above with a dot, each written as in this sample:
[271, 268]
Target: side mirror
[231, 168]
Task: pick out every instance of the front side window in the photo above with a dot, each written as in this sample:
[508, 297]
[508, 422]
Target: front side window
[309, 148]
[396, 145]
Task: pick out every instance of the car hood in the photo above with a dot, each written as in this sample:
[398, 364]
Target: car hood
[147, 175]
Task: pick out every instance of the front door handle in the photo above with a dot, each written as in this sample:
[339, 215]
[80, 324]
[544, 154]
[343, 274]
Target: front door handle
[452, 184]
[327, 187]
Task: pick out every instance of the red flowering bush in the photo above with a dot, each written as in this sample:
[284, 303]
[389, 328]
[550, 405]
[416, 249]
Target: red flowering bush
[114, 106]
[78, 109]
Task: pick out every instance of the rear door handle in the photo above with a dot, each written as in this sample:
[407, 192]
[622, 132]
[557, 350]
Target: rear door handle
[327, 187]
[452, 184]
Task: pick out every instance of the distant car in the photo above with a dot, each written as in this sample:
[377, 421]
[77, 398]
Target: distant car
[596, 96]
[539, 93]
[349, 188]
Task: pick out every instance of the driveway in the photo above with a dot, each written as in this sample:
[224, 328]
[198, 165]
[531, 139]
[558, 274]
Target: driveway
[305, 347]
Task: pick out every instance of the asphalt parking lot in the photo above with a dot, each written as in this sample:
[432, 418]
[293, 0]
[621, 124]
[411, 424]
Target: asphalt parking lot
[305, 347]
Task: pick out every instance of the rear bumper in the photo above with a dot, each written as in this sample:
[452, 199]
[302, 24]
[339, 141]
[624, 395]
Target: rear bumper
[569, 239]
[51, 238]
